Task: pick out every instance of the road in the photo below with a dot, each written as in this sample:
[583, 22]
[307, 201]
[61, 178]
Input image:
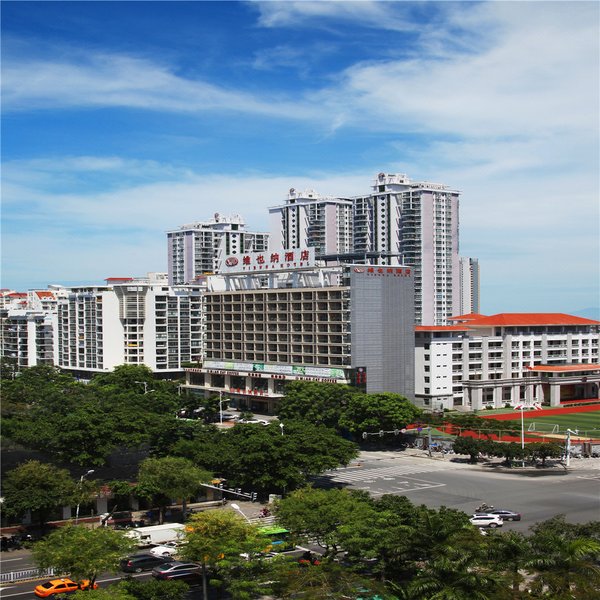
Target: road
[434, 482]
[537, 494]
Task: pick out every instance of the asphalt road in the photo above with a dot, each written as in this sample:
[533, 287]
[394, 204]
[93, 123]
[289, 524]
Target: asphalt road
[537, 494]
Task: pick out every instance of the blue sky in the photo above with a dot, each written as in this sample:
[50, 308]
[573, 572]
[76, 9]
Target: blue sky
[122, 120]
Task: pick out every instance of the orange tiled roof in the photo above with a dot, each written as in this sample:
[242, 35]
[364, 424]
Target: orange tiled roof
[119, 279]
[441, 328]
[561, 368]
[509, 319]
[17, 295]
[469, 317]
[45, 294]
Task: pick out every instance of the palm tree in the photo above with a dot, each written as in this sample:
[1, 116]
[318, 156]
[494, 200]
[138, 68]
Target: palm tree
[456, 575]
[566, 568]
[507, 552]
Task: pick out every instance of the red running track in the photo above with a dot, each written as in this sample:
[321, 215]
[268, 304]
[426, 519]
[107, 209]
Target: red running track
[545, 412]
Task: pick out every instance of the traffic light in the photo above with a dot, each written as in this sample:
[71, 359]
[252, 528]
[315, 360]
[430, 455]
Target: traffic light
[360, 377]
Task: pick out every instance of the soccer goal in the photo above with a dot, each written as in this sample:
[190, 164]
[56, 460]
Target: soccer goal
[543, 427]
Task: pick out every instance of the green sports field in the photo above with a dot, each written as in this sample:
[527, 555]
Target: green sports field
[587, 424]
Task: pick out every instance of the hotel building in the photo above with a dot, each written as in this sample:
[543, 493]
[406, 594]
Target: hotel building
[275, 318]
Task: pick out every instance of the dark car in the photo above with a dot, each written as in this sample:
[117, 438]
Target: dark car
[505, 515]
[178, 571]
[141, 562]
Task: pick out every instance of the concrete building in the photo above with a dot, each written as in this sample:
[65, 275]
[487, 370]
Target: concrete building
[272, 322]
[469, 282]
[28, 323]
[507, 358]
[416, 224]
[130, 321]
[198, 248]
[309, 220]
[401, 222]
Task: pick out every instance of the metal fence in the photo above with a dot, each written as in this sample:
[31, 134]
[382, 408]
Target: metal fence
[13, 576]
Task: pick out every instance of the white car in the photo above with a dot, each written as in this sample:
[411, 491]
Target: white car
[165, 550]
[486, 521]
[253, 421]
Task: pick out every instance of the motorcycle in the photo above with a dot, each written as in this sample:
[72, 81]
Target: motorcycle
[484, 507]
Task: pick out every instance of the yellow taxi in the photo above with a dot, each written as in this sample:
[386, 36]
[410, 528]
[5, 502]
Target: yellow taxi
[61, 586]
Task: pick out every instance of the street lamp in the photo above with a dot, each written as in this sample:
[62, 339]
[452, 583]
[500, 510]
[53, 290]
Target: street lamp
[221, 406]
[80, 491]
[237, 507]
[568, 446]
[281, 426]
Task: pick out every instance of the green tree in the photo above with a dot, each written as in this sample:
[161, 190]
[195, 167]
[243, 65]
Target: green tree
[507, 552]
[318, 514]
[544, 450]
[217, 539]
[153, 589]
[470, 446]
[454, 574]
[81, 552]
[376, 412]
[39, 488]
[510, 451]
[317, 403]
[259, 458]
[327, 580]
[171, 477]
[566, 568]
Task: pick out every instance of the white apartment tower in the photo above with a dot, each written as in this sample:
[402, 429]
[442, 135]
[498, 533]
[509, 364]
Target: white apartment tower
[469, 286]
[130, 321]
[309, 220]
[198, 248]
[415, 224]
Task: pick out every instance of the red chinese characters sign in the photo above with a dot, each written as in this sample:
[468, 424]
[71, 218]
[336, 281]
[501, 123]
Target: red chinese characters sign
[269, 261]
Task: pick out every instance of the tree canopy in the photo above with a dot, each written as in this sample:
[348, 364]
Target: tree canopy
[81, 552]
[39, 488]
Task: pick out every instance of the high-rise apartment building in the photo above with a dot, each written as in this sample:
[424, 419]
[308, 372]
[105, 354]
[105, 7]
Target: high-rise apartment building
[416, 224]
[401, 222]
[309, 220]
[130, 321]
[198, 248]
[28, 323]
[469, 286]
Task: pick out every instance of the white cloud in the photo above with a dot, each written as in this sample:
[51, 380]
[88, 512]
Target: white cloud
[380, 15]
[111, 80]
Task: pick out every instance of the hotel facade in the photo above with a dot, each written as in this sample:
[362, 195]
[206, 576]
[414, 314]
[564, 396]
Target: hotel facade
[280, 317]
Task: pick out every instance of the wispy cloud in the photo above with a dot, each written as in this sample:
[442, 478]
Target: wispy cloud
[99, 80]
[368, 13]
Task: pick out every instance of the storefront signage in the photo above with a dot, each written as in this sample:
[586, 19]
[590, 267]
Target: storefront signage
[234, 368]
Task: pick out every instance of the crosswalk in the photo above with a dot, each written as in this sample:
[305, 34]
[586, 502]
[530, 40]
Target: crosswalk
[358, 474]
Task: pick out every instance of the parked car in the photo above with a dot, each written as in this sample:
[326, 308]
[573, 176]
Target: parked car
[141, 562]
[177, 571]
[253, 421]
[165, 550]
[505, 515]
[486, 520]
[60, 586]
